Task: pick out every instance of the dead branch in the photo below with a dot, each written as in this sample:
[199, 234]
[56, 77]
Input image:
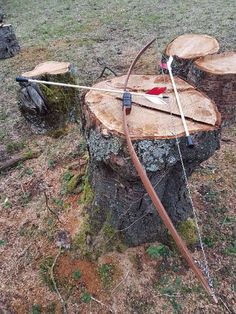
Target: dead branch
[19, 158]
[102, 304]
[117, 286]
[55, 285]
[49, 208]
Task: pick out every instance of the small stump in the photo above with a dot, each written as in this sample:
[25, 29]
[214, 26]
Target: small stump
[9, 46]
[48, 108]
[120, 200]
[216, 76]
[187, 48]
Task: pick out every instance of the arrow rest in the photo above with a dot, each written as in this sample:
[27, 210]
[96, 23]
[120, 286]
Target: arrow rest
[127, 102]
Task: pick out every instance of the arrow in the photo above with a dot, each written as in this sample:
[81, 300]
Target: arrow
[189, 138]
[153, 95]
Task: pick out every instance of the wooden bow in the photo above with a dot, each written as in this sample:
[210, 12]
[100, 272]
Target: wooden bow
[150, 189]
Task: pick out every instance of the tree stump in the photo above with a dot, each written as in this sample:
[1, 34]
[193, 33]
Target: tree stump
[48, 108]
[216, 76]
[9, 45]
[187, 48]
[121, 204]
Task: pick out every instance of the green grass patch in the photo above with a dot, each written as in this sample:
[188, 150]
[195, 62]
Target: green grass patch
[158, 251]
[86, 297]
[13, 147]
[76, 275]
[44, 269]
[106, 272]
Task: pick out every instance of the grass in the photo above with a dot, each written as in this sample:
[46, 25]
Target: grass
[36, 309]
[158, 251]
[44, 269]
[13, 147]
[76, 275]
[79, 32]
[169, 288]
[106, 272]
[86, 297]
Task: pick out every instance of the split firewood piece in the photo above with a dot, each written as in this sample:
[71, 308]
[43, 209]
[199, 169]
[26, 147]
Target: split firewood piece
[9, 45]
[48, 108]
[121, 204]
[187, 48]
[216, 76]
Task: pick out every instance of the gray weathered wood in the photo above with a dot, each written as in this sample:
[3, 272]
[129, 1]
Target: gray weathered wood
[48, 108]
[9, 45]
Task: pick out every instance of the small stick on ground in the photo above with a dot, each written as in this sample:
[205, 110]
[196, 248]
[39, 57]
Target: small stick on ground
[225, 305]
[55, 285]
[117, 286]
[48, 207]
[19, 158]
[102, 304]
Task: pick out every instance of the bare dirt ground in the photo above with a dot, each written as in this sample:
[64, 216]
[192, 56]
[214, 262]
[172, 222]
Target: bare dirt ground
[120, 282]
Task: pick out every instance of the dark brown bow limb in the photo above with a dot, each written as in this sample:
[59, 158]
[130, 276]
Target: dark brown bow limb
[155, 199]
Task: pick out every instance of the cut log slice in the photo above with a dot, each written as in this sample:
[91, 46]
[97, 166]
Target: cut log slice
[50, 68]
[121, 204]
[216, 76]
[9, 45]
[188, 47]
[48, 108]
[192, 46]
[149, 120]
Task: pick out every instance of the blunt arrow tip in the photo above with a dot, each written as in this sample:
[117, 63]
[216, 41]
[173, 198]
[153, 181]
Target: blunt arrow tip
[190, 142]
[22, 79]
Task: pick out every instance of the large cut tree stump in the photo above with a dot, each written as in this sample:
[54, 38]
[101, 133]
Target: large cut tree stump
[120, 200]
[216, 76]
[48, 108]
[187, 48]
[9, 45]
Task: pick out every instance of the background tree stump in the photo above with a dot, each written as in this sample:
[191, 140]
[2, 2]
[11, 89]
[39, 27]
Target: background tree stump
[216, 76]
[187, 48]
[9, 46]
[120, 201]
[48, 108]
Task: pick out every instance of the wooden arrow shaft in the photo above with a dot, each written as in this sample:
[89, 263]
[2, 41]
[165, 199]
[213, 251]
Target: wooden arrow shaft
[116, 91]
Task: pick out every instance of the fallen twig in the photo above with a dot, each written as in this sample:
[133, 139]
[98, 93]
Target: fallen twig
[225, 305]
[49, 208]
[55, 285]
[99, 302]
[117, 286]
[19, 158]
[24, 251]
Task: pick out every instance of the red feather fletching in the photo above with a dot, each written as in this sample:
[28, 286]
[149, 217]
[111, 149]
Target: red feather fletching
[156, 91]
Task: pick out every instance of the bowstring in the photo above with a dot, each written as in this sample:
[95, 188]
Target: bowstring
[205, 267]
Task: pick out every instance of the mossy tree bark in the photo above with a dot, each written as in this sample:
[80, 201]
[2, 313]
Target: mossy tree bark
[121, 205]
[47, 108]
[187, 48]
[216, 76]
[9, 45]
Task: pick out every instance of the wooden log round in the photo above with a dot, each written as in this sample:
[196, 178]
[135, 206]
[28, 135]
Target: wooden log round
[187, 48]
[120, 200]
[48, 108]
[9, 45]
[216, 76]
